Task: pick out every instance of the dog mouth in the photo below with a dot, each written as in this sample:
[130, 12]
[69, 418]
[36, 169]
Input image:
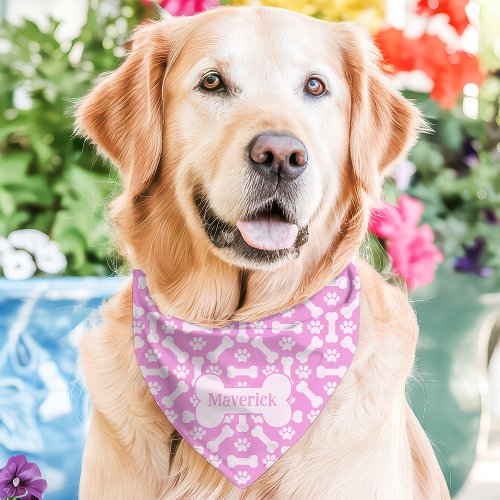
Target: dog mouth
[268, 232]
[269, 228]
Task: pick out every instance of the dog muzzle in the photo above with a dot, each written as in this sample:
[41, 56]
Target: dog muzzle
[242, 395]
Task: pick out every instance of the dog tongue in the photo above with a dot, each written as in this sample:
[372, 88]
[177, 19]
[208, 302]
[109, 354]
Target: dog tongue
[268, 233]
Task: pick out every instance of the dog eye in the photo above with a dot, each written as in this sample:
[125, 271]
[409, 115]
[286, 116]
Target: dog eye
[212, 82]
[315, 86]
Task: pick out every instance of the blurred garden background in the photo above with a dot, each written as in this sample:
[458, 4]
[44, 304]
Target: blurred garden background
[438, 231]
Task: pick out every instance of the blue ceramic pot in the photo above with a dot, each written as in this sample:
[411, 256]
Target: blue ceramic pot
[42, 402]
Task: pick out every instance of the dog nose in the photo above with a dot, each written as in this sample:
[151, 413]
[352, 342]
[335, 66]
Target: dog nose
[278, 155]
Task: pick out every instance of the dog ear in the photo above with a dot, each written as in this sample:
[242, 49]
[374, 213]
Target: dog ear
[123, 113]
[383, 124]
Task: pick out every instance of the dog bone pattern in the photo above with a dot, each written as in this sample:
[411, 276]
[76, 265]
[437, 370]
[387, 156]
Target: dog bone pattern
[226, 342]
[235, 371]
[280, 327]
[247, 392]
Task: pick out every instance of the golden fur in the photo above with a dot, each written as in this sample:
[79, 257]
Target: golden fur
[168, 142]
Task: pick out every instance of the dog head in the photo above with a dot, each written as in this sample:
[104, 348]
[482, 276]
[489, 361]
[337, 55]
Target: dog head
[251, 134]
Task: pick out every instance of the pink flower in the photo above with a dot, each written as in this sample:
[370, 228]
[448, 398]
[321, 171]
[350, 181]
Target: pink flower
[389, 220]
[185, 7]
[415, 256]
[412, 249]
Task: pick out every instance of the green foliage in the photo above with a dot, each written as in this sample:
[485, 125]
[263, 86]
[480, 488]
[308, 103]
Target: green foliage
[458, 179]
[49, 179]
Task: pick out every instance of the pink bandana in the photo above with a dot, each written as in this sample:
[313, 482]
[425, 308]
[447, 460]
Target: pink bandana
[242, 395]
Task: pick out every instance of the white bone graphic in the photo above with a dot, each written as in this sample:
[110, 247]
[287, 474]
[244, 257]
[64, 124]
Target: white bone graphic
[314, 344]
[322, 371]
[316, 311]
[346, 342]
[161, 371]
[332, 318]
[242, 425]
[181, 388]
[339, 282]
[258, 432]
[225, 343]
[138, 342]
[250, 461]
[287, 363]
[272, 403]
[141, 281]
[303, 388]
[197, 364]
[242, 336]
[297, 416]
[213, 446]
[284, 449]
[137, 311]
[192, 328]
[236, 371]
[187, 416]
[258, 342]
[168, 342]
[278, 327]
[153, 318]
[347, 310]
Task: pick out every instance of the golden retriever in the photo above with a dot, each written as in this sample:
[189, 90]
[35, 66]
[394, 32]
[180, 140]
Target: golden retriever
[177, 118]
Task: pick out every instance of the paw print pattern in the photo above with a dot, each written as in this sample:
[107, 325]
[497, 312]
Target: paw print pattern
[242, 355]
[171, 415]
[137, 326]
[287, 433]
[356, 282]
[181, 371]
[154, 387]
[257, 327]
[168, 327]
[197, 343]
[315, 327]
[215, 460]
[348, 327]
[215, 369]
[331, 298]
[290, 344]
[197, 433]
[303, 371]
[312, 415]
[329, 387]
[287, 343]
[268, 369]
[269, 460]
[153, 355]
[242, 444]
[331, 355]
[242, 477]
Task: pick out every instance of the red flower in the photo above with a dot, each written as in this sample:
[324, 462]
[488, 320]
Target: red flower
[449, 71]
[454, 9]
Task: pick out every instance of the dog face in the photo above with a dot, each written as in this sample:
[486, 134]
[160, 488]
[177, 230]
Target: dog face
[253, 128]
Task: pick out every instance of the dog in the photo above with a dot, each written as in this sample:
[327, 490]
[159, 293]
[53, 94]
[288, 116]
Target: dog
[235, 114]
